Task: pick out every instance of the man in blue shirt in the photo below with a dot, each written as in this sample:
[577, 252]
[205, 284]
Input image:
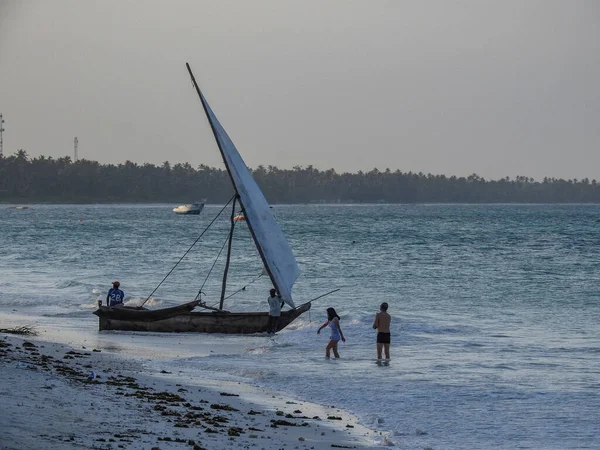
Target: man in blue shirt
[115, 295]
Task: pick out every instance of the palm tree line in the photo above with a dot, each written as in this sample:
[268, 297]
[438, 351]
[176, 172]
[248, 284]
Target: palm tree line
[48, 180]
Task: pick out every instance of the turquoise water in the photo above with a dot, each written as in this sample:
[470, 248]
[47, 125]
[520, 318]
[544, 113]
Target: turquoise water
[496, 308]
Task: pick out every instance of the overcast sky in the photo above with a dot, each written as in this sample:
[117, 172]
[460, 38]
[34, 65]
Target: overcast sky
[497, 88]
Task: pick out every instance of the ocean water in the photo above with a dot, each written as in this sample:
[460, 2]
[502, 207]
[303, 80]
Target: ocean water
[496, 308]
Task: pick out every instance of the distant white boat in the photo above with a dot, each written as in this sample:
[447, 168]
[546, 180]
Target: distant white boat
[192, 208]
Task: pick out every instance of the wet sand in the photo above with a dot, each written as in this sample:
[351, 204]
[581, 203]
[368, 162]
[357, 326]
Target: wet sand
[55, 396]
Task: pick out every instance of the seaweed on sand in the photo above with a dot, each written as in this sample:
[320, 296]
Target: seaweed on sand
[25, 330]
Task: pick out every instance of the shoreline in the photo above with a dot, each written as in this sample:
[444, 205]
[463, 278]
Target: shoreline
[61, 397]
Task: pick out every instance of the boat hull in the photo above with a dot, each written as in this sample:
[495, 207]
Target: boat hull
[143, 314]
[201, 322]
[191, 209]
[193, 212]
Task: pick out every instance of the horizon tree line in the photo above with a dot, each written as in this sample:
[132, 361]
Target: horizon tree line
[48, 180]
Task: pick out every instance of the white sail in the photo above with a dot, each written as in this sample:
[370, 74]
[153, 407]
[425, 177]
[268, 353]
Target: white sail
[268, 237]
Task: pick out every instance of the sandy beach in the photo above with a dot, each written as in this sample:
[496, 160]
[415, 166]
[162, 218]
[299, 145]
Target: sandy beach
[55, 396]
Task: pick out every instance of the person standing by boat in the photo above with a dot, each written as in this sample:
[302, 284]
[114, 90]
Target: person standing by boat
[382, 325]
[275, 305]
[115, 295]
[333, 321]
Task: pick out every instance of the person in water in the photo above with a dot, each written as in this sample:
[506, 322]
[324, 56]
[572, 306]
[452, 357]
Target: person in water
[382, 325]
[275, 305]
[333, 321]
[115, 295]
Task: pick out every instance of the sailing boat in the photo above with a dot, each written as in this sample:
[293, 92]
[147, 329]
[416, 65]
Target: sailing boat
[275, 252]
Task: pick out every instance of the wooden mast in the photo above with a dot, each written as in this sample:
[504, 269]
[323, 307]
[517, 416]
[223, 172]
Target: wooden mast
[224, 283]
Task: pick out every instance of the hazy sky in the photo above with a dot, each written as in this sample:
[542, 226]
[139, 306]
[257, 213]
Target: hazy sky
[497, 88]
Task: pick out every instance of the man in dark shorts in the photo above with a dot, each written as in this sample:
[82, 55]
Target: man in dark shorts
[275, 305]
[382, 325]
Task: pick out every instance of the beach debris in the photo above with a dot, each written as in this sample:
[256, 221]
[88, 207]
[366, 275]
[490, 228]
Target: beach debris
[234, 431]
[279, 422]
[291, 416]
[180, 440]
[169, 412]
[177, 411]
[25, 330]
[215, 420]
[75, 354]
[223, 407]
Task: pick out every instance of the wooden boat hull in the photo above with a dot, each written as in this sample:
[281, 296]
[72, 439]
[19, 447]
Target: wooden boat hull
[202, 322]
[143, 314]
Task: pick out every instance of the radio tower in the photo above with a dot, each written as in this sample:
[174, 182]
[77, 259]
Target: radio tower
[75, 145]
[1, 139]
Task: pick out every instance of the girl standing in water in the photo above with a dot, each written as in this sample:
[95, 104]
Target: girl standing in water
[333, 320]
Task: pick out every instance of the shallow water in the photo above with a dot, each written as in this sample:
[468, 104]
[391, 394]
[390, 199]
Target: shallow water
[496, 308]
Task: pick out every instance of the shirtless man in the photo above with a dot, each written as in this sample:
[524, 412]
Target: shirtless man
[382, 325]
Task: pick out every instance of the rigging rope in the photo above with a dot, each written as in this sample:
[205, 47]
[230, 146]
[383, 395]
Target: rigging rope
[244, 287]
[188, 250]
[238, 291]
